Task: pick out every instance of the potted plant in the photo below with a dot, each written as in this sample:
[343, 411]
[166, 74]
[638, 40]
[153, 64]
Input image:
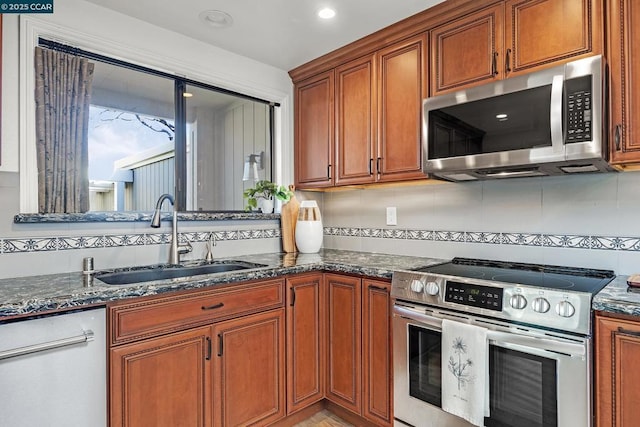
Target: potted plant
[261, 195]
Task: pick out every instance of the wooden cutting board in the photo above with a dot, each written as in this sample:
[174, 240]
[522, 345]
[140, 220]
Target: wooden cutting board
[288, 219]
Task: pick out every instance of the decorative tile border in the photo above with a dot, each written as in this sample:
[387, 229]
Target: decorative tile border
[494, 238]
[45, 244]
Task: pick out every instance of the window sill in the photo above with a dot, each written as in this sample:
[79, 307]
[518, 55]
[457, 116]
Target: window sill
[141, 217]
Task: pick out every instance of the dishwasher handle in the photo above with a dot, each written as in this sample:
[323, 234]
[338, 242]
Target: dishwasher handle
[86, 336]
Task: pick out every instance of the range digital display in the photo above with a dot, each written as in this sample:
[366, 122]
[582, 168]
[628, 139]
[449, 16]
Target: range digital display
[474, 295]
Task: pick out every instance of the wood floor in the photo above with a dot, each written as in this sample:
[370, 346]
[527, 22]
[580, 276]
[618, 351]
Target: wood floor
[324, 418]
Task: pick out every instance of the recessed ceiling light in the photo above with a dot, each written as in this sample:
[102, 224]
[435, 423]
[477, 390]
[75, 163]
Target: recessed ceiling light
[326, 13]
[216, 18]
[501, 116]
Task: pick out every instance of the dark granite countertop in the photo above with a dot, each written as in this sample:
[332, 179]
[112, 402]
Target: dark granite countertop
[618, 298]
[26, 296]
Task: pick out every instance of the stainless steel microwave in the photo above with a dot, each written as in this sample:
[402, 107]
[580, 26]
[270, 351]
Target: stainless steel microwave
[548, 122]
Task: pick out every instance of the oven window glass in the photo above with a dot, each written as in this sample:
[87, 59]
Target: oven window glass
[425, 367]
[522, 389]
[492, 125]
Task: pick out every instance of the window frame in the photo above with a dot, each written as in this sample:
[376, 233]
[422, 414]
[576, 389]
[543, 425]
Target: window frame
[32, 30]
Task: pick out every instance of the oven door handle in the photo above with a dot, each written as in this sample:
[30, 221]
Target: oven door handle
[506, 338]
[417, 316]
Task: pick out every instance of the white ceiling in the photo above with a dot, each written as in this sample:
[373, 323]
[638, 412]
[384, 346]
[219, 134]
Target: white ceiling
[281, 33]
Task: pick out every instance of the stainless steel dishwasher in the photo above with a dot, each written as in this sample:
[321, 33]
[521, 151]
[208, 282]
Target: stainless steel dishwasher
[53, 371]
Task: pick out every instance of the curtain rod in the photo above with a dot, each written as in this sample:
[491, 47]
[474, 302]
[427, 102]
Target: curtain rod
[61, 47]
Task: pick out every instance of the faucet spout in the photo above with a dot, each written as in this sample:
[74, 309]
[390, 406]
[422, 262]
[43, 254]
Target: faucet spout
[176, 248]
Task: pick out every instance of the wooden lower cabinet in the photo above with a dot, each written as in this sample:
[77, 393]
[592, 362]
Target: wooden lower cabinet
[249, 386]
[617, 352]
[162, 381]
[332, 341]
[305, 341]
[344, 344]
[359, 364]
[377, 363]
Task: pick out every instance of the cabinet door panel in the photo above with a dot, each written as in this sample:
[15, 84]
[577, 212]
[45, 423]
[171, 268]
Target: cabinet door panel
[463, 52]
[617, 375]
[624, 63]
[376, 350]
[355, 121]
[402, 87]
[305, 344]
[314, 131]
[540, 32]
[249, 370]
[344, 358]
[162, 381]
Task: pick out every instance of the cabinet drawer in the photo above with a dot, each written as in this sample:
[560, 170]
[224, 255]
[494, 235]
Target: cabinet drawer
[152, 317]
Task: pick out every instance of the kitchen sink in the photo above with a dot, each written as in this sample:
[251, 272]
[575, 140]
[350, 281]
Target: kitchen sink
[172, 272]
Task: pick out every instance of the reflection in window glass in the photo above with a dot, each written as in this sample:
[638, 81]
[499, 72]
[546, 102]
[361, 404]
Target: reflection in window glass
[131, 139]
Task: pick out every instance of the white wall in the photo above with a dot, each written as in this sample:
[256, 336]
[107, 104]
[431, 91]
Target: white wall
[577, 220]
[193, 59]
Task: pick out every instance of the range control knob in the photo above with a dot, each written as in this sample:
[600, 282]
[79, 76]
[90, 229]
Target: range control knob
[417, 285]
[565, 309]
[541, 305]
[518, 301]
[432, 288]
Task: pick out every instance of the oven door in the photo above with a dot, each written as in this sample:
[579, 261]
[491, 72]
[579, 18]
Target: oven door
[535, 379]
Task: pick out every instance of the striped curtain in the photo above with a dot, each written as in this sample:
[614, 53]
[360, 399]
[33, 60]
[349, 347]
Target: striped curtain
[62, 95]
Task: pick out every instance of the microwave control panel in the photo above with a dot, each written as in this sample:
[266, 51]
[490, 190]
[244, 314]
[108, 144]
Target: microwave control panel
[578, 109]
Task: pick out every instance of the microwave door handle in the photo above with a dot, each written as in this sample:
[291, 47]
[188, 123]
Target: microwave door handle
[557, 134]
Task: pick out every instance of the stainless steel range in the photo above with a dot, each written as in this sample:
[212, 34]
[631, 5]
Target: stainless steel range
[538, 319]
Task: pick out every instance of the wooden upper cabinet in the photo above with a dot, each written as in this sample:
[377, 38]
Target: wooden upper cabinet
[617, 373]
[314, 131]
[402, 85]
[355, 121]
[541, 32]
[513, 37]
[467, 51]
[624, 66]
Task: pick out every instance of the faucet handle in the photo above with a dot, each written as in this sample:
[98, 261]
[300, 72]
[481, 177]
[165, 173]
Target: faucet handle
[185, 248]
[210, 244]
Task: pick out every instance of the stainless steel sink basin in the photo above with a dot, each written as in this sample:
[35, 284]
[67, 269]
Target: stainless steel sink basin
[172, 272]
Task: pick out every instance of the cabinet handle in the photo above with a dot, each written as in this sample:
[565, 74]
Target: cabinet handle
[220, 345]
[213, 307]
[208, 356]
[371, 166]
[494, 64]
[329, 171]
[378, 164]
[622, 330]
[507, 61]
[378, 288]
[617, 137]
[293, 297]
